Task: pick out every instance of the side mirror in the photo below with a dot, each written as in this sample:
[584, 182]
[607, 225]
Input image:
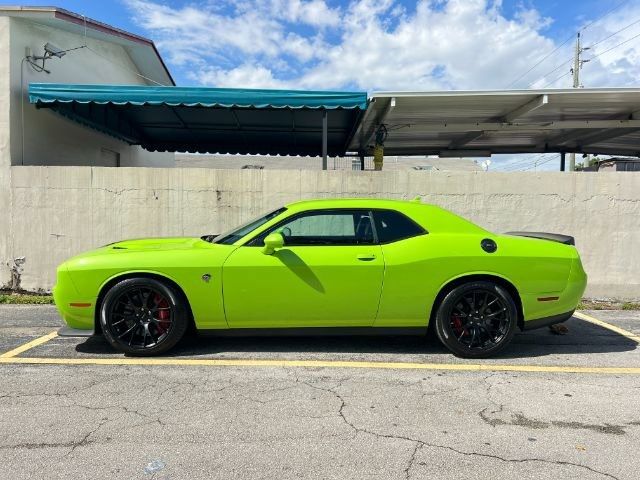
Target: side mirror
[272, 242]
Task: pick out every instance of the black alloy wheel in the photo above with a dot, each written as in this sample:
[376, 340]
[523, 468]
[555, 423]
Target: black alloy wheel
[477, 319]
[143, 316]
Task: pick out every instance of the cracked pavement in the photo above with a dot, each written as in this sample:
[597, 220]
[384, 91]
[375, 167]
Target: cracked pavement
[177, 422]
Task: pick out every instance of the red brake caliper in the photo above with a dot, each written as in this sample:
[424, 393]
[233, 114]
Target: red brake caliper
[457, 324]
[162, 304]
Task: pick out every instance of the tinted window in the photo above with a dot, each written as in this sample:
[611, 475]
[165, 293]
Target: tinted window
[345, 227]
[392, 226]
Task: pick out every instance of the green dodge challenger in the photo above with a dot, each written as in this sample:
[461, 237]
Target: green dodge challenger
[359, 266]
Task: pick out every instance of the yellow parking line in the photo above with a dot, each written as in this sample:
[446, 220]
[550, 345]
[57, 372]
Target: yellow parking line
[29, 345]
[608, 326]
[485, 367]
[11, 357]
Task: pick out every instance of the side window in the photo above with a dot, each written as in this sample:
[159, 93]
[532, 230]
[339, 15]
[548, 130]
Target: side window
[331, 225]
[345, 227]
[392, 226]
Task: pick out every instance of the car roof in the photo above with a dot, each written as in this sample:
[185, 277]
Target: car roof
[352, 203]
[432, 217]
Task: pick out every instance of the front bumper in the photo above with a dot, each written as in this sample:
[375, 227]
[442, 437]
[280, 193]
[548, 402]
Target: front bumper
[75, 332]
[76, 311]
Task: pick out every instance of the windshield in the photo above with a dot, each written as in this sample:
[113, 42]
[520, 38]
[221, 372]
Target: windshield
[237, 233]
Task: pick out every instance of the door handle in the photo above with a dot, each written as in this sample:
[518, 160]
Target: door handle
[366, 257]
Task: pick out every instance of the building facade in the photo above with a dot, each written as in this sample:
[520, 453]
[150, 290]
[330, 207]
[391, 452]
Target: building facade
[94, 53]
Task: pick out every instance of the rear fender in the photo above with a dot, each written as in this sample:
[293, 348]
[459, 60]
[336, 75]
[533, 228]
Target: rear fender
[475, 276]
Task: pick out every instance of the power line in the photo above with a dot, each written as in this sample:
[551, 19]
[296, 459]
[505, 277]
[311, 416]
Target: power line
[606, 14]
[614, 34]
[558, 67]
[534, 165]
[547, 56]
[595, 56]
[540, 164]
[615, 46]
[516, 164]
[524, 162]
[530, 163]
[557, 78]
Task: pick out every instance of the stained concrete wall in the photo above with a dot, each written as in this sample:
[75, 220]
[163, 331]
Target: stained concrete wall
[5, 154]
[56, 212]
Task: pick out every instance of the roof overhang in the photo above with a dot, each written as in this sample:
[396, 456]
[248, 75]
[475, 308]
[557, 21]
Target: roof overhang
[481, 123]
[210, 120]
[142, 51]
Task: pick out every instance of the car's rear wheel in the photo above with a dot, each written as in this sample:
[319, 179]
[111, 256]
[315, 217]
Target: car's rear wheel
[476, 319]
[143, 316]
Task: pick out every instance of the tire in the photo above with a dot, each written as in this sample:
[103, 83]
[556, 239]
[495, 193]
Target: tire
[143, 317]
[477, 319]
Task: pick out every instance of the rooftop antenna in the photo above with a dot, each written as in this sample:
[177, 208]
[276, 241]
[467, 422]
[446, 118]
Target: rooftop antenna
[50, 51]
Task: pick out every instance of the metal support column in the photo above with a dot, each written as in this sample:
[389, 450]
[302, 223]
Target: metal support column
[324, 139]
[361, 160]
[562, 161]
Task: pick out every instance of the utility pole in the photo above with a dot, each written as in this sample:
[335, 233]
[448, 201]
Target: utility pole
[575, 71]
[576, 63]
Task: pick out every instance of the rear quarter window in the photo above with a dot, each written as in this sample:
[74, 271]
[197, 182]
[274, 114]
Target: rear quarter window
[392, 226]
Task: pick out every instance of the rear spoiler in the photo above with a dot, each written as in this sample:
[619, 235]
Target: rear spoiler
[554, 237]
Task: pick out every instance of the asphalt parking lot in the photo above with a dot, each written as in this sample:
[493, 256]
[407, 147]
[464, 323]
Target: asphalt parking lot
[554, 406]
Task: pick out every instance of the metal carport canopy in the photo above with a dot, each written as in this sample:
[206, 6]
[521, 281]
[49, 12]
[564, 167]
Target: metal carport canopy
[211, 120]
[481, 123]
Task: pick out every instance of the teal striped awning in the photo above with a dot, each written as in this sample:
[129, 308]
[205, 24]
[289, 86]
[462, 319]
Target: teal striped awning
[212, 120]
[194, 96]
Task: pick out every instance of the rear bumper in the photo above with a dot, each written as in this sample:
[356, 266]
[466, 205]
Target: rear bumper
[542, 309]
[547, 321]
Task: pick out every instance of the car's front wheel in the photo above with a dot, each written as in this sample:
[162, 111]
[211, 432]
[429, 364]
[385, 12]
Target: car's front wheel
[143, 316]
[476, 319]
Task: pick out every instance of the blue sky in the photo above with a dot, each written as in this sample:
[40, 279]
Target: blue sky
[383, 44]
[559, 19]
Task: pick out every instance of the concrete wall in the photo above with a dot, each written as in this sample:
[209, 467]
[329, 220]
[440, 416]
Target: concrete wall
[56, 212]
[286, 162]
[5, 155]
[49, 138]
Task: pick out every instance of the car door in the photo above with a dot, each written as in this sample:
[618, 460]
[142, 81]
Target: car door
[328, 274]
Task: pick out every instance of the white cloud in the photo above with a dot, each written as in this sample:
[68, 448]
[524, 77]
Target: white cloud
[618, 67]
[464, 45]
[314, 12]
[382, 45]
[378, 44]
[621, 65]
[532, 18]
[201, 35]
[375, 44]
[249, 76]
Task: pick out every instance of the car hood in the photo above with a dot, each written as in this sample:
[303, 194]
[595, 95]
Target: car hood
[155, 244]
[143, 245]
